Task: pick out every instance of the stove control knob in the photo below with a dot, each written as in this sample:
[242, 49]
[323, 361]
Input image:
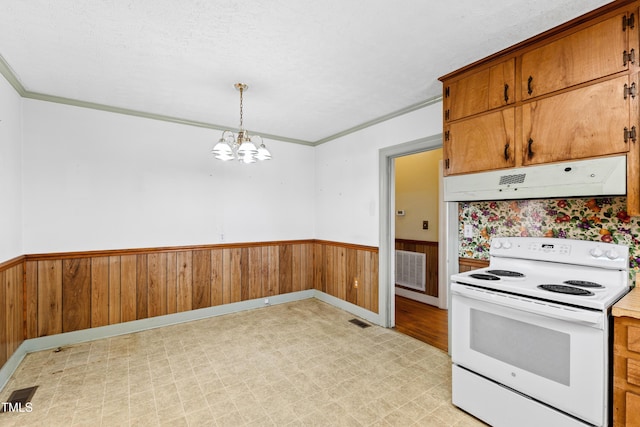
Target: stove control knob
[612, 254]
[506, 244]
[497, 244]
[596, 252]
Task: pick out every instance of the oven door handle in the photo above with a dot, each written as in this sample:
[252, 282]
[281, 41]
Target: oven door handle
[576, 315]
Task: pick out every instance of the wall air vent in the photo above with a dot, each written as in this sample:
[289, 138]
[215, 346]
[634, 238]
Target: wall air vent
[512, 179]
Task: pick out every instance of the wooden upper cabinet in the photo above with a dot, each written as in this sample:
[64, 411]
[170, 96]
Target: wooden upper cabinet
[480, 143]
[480, 91]
[596, 51]
[582, 123]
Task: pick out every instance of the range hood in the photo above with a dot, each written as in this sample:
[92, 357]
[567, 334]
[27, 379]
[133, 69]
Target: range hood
[593, 177]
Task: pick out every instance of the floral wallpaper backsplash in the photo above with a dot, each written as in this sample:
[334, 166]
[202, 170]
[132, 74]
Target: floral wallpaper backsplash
[598, 219]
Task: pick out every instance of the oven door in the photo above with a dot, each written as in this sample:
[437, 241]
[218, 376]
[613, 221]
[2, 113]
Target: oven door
[533, 348]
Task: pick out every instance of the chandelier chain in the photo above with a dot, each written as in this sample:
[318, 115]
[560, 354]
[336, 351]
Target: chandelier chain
[241, 90]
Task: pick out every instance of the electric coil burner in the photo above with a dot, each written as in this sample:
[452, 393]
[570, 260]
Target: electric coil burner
[563, 289]
[530, 339]
[583, 284]
[505, 273]
[482, 276]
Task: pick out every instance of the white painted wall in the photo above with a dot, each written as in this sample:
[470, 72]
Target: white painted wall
[347, 176]
[10, 172]
[95, 180]
[417, 183]
[98, 180]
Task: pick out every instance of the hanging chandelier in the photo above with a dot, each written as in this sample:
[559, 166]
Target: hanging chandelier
[240, 147]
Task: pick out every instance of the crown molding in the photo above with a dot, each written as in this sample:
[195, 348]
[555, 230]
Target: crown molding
[10, 76]
[381, 119]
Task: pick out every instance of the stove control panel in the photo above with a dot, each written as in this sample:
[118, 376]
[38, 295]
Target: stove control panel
[581, 252]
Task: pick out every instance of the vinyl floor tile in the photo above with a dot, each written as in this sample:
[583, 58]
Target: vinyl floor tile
[296, 364]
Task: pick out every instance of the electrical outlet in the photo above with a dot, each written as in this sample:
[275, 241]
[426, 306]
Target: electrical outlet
[355, 283]
[468, 231]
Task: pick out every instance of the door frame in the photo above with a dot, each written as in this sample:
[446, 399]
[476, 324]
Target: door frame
[447, 245]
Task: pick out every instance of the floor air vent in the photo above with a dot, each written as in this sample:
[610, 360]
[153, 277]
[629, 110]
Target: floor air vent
[18, 400]
[360, 323]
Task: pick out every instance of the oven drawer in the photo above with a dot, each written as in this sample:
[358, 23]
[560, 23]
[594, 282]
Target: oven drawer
[556, 362]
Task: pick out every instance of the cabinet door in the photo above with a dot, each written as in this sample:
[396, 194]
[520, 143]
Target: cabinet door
[480, 91]
[632, 409]
[480, 143]
[588, 54]
[585, 122]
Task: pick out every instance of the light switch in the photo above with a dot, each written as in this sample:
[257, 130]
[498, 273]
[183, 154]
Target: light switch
[425, 225]
[468, 231]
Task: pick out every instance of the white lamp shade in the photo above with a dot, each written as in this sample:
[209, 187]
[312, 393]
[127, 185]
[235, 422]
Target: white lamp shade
[263, 153]
[247, 147]
[222, 148]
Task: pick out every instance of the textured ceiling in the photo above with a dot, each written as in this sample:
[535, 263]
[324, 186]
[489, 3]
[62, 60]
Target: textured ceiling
[315, 68]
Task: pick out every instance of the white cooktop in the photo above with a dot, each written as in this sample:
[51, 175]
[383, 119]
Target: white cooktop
[548, 261]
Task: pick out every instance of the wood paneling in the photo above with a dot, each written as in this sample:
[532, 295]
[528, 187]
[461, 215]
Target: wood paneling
[49, 297]
[76, 294]
[157, 284]
[128, 285]
[49, 294]
[4, 322]
[468, 264]
[430, 249]
[12, 306]
[115, 292]
[216, 277]
[31, 300]
[201, 279]
[99, 291]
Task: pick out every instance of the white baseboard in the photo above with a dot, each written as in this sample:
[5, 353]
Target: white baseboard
[351, 308]
[75, 337]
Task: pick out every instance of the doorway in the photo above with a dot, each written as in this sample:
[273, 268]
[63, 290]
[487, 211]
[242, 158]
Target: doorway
[447, 234]
[416, 205]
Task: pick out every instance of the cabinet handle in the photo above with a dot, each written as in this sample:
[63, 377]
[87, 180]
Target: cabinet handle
[506, 92]
[529, 85]
[529, 150]
[506, 151]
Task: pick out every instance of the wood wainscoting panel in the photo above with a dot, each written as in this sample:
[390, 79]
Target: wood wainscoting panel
[336, 266]
[157, 284]
[4, 322]
[49, 297]
[128, 287]
[286, 268]
[115, 291]
[216, 277]
[72, 291]
[201, 279]
[183, 297]
[99, 291]
[31, 300]
[142, 287]
[76, 294]
[468, 264]
[11, 310]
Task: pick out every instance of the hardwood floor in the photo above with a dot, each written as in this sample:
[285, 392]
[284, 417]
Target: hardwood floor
[422, 321]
